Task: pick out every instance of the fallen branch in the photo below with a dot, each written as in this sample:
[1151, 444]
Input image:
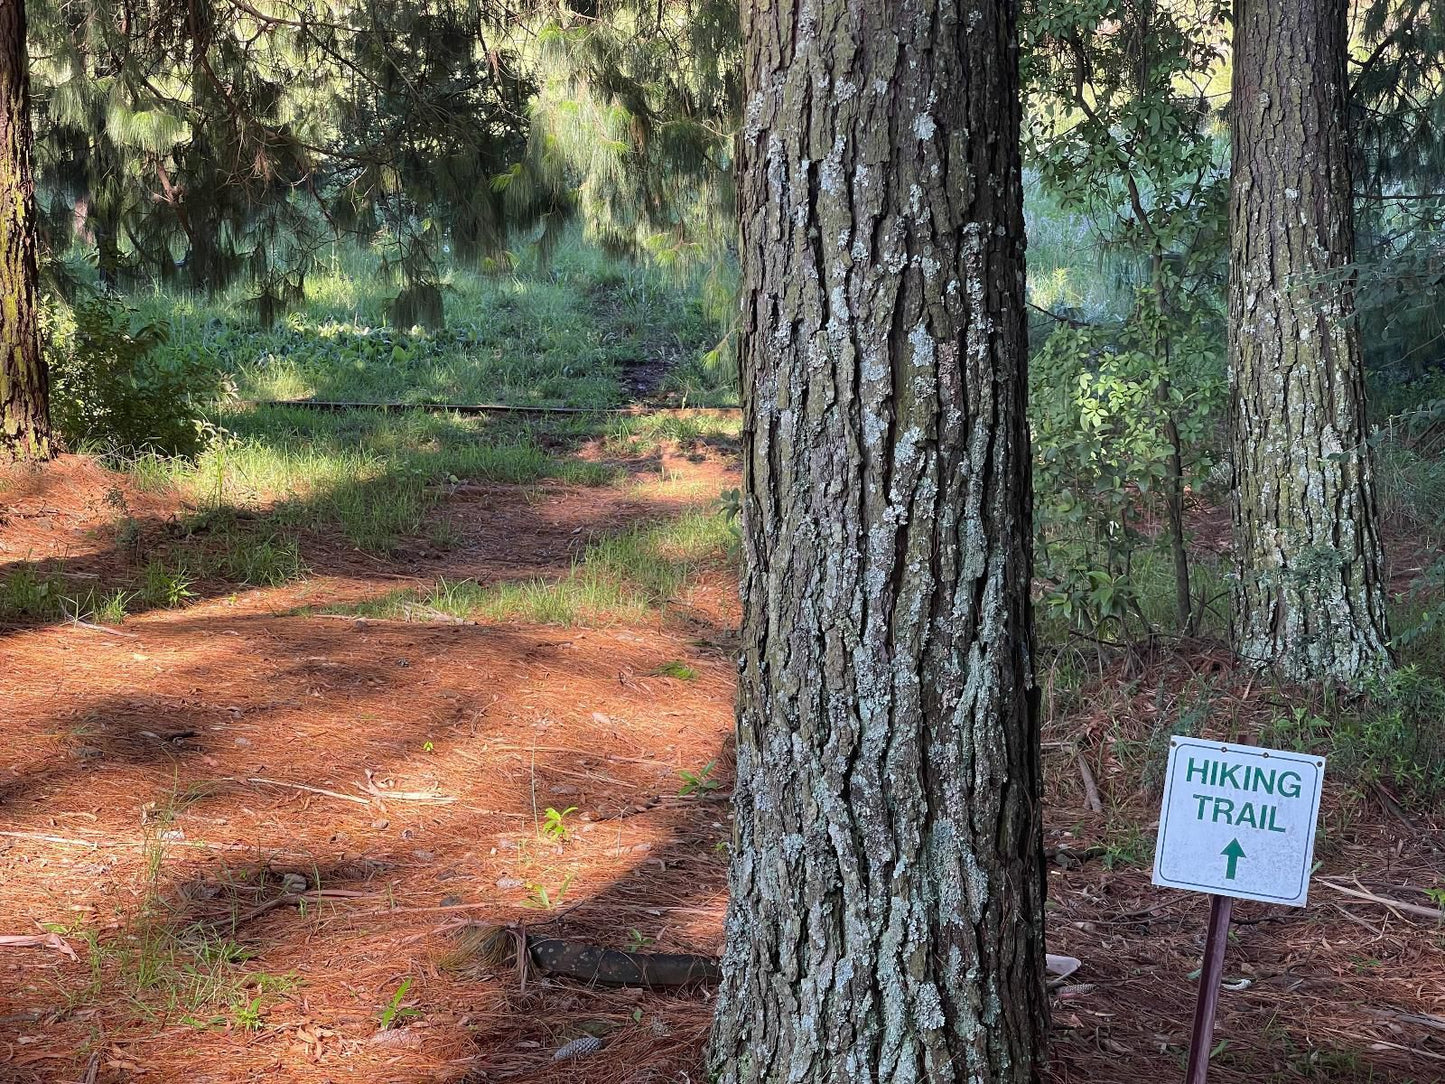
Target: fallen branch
[77, 623]
[405, 795]
[484, 949]
[1408, 908]
[257, 779]
[201, 844]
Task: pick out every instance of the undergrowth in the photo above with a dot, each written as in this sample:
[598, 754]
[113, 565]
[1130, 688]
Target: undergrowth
[168, 968]
[618, 577]
[1392, 737]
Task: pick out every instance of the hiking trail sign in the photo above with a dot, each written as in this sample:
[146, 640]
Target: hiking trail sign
[1238, 821]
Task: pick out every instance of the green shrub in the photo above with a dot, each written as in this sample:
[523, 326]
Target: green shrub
[112, 389]
[1391, 737]
[1101, 401]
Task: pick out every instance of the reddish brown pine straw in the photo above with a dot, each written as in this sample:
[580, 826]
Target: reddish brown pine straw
[339, 797]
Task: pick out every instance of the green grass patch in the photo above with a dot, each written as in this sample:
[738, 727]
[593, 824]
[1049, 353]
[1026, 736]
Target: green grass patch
[636, 434]
[622, 576]
[370, 474]
[559, 335]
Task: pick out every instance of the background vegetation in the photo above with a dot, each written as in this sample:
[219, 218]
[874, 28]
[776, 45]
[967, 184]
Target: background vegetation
[446, 203]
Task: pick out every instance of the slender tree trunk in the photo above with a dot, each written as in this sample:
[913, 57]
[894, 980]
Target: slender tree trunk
[1174, 481]
[1310, 596]
[24, 382]
[886, 921]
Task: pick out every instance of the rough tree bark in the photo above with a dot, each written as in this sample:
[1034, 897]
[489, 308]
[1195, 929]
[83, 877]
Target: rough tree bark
[1310, 595]
[886, 920]
[24, 382]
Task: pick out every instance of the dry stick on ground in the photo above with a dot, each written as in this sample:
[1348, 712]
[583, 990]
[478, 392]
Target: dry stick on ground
[1091, 789]
[1408, 908]
[257, 779]
[200, 844]
[77, 623]
[405, 795]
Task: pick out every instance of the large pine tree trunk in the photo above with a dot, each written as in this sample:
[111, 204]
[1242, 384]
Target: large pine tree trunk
[1310, 595]
[24, 383]
[886, 921]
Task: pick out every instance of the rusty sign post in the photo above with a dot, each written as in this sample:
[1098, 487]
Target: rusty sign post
[1238, 822]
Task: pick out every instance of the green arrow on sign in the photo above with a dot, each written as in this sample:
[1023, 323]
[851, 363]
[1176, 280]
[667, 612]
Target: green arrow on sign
[1234, 852]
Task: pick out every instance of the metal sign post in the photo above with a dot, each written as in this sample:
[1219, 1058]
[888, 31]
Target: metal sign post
[1237, 822]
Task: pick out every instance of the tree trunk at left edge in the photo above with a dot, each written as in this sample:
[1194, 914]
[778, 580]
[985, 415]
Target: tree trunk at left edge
[24, 382]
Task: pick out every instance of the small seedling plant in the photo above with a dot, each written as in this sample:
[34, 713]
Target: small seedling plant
[699, 782]
[554, 824]
[541, 898]
[395, 1013]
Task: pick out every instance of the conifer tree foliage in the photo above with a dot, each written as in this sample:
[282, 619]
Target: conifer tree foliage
[204, 140]
[430, 116]
[635, 113]
[1397, 125]
[886, 912]
[1310, 594]
[164, 137]
[24, 403]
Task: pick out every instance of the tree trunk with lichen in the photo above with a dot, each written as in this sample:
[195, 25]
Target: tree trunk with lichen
[1310, 596]
[24, 384]
[886, 919]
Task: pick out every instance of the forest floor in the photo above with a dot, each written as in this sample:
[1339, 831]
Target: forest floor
[246, 831]
[285, 721]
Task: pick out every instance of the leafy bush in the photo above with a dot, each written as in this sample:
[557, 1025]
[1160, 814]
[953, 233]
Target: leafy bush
[1391, 737]
[111, 388]
[1101, 401]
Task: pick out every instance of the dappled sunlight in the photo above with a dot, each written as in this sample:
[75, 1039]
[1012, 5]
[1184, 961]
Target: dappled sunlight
[382, 779]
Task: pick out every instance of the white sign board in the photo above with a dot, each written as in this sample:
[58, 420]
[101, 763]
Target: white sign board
[1238, 821]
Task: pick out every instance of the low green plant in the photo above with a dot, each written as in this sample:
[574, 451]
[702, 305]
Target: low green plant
[676, 669]
[542, 898]
[1390, 737]
[699, 782]
[268, 561]
[29, 592]
[554, 823]
[1130, 846]
[112, 388]
[167, 969]
[394, 1013]
[166, 587]
[111, 608]
[730, 503]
